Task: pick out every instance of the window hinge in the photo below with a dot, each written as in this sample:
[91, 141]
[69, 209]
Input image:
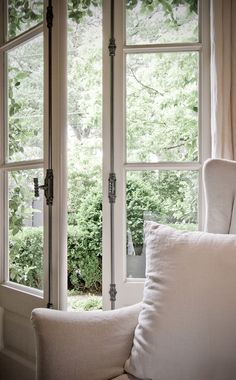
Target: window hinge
[112, 188]
[49, 15]
[113, 292]
[112, 47]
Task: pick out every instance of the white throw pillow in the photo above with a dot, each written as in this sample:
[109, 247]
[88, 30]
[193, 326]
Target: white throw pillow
[187, 325]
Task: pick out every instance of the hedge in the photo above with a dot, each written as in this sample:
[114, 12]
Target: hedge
[26, 257]
[144, 193]
[25, 260]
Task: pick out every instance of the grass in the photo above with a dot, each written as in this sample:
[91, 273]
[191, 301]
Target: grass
[84, 302]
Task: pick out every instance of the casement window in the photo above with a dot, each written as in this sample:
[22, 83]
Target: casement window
[154, 138]
[32, 111]
[161, 128]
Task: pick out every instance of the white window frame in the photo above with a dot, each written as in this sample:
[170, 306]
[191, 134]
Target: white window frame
[13, 295]
[8, 166]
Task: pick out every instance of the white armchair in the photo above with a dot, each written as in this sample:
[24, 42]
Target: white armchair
[220, 194]
[85, 345]
[96, 345]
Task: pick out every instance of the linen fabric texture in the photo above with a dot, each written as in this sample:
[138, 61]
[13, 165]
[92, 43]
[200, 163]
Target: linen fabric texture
[187, 324]
[86, 346]
[220, 194]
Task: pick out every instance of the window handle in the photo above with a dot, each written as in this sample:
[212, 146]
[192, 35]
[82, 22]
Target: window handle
[47, 187]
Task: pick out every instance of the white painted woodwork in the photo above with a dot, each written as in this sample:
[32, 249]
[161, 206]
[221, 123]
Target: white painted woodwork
[17, 347]
[129, 290]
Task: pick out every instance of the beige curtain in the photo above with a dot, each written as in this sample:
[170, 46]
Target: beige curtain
[223, 78]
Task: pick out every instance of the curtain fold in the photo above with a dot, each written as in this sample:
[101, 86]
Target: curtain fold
[223, 78]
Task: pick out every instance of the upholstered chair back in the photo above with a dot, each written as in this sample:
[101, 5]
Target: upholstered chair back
[220, 195]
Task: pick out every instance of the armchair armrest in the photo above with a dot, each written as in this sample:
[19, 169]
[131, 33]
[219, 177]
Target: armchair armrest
[85, 345]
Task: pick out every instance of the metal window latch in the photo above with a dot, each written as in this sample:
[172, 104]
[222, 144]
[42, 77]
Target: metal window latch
[47, 187]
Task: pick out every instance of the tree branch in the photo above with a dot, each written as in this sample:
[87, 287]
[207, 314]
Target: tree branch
[144, 85]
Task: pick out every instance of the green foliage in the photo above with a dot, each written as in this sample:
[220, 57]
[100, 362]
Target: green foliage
[78, 9]
[86, 303]
[167, 4]
[16, 210]
[93, 303]
[161, 109]
[85, 245]
[165, 197]
[178, 197]
[169, 196]
[25, 101]
[140, 197]
[25, 258]
[23, 14]
[17, 135]
[20, 198]
[84, 258]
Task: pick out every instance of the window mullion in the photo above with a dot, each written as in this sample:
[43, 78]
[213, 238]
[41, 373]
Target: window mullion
[163, 165]
[24, 37]
[23, 165]
[162, 48]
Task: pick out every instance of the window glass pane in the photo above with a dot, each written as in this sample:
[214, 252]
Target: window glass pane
[155, 22]
[25, 215]
[165, 196]
[84, 154]
[25, 101]
[162, 107]
[23, 15]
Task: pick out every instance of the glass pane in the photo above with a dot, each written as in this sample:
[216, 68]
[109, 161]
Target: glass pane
[162, 107]
[156, 22]
[25, 101]
[167, 197]
[25, 216]
[84, 156]
[23, 15]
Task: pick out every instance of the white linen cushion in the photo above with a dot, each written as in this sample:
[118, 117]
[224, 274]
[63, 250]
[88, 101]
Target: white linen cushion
[187, 325]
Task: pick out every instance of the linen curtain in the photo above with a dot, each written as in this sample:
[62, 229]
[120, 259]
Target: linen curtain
[223, 78]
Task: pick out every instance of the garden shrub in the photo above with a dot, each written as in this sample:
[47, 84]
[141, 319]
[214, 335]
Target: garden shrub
[85, 238]
[85, 245]
[140, 197]
[26, 257]
[84, 257]
[84, 266]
